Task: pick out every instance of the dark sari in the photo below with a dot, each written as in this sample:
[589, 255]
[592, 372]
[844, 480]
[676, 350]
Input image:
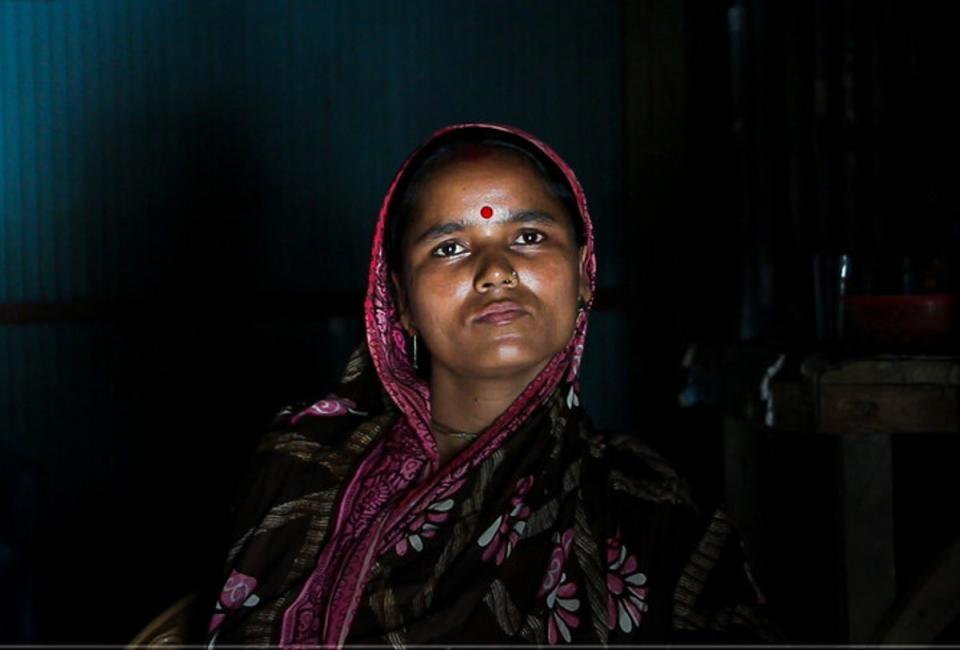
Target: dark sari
[543, 531]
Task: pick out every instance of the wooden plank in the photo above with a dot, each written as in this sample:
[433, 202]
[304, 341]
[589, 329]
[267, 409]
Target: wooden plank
[863, 409]
[896, 370]
[932, 604]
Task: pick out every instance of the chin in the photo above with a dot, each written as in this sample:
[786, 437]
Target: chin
[507, 364]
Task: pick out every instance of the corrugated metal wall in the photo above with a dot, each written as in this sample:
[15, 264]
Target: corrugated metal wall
[113, 110]
[166, 165]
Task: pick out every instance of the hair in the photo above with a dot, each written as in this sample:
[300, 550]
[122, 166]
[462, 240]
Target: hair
[453, 147]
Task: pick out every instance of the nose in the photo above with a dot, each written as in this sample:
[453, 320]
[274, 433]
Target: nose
[494, 274]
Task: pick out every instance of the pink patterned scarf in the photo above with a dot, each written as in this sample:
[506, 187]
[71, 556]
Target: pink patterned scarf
[369, 522]
[544, 530]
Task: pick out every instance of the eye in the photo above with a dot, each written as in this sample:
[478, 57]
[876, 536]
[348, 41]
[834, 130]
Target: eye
[532, 233]
[445, 246]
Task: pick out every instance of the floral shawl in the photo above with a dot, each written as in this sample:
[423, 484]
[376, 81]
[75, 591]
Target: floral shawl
[542, 531]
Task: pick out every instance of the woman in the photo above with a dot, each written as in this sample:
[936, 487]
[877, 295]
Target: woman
[452, 489]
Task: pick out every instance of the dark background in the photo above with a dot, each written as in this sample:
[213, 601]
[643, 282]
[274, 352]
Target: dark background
[188, 191]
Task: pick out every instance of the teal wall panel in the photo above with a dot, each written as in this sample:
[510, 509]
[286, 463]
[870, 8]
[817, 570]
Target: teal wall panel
[199, 146]
[184, 152]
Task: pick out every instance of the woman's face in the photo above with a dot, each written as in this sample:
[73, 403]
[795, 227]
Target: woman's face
[457, 262]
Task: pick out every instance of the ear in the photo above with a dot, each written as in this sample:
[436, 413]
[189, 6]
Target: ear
[403, 304]
[584, 289]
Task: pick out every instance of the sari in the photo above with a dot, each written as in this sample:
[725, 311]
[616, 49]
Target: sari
[544, 530]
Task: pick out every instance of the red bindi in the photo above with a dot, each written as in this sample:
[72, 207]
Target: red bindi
[486, 212]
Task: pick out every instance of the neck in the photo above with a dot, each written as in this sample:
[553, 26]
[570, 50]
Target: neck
[471, 404]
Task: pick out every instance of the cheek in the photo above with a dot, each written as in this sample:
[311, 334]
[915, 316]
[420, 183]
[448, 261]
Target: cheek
[555, 284]
[436, 297]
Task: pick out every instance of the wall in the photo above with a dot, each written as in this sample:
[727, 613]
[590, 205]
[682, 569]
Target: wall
[187, 195]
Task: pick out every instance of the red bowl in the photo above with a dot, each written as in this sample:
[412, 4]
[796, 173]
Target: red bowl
[903, 321]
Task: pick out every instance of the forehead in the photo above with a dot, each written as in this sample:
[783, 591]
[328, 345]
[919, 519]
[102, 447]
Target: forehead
[473, 168]
[497, 176]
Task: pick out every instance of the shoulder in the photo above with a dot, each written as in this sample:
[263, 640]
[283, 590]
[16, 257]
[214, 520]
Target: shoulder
[322, 431]
[634, 469]
[307, 448]
[343, 422]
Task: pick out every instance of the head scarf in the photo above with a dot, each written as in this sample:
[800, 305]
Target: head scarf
[414, 457]
[543, 530]
[385, 334]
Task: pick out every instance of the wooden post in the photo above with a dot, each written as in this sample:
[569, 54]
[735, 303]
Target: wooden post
[741, 465]
[866, 493]
[654, 91]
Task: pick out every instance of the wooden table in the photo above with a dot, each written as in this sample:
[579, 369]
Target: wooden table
[860, 403]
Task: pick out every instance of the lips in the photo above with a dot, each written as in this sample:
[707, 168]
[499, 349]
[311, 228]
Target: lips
[501, 311]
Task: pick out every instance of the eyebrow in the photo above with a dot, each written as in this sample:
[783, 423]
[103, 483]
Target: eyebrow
[449, 227]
